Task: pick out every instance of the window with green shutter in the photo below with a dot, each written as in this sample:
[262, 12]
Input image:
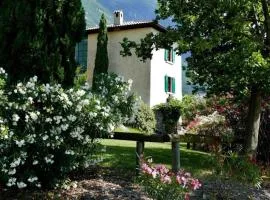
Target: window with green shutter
[166, 81]
[169, 84]
[169, 55]
[173, 85]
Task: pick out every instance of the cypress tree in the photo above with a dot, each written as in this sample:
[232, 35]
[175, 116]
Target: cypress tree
[39, 38]
[101, 61]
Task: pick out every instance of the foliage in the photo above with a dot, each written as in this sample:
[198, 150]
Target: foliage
[47, 131]
[229, 42]
[101, 60]
[80, 77]
[212, 125]
[117, 94]
[144, 119]
[39, 38]
[161, 183]
[171, 112]
[240, 168]
[191, 106]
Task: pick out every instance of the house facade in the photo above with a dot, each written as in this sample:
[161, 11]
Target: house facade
[154, 80]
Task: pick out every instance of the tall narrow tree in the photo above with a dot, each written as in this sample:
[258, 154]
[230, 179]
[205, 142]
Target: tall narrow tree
[39, 37]
[102, 60]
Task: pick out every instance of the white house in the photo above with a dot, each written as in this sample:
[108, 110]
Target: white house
[154, 79]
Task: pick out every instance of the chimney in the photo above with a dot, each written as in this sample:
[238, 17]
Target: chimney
[118, 17]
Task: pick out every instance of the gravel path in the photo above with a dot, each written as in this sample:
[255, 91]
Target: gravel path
[108, 184]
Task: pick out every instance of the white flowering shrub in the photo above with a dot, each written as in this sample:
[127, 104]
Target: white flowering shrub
[47, 131]
[116, 93]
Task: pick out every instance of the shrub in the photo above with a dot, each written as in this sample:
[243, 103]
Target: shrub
[115, 92]
[240, 168]
[47, 131]
[144, 119]
[211, 125]
[191, 106]
[171, 112]
[161, 183]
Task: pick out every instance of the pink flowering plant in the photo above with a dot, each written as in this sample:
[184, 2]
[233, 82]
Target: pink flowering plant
[161, 183]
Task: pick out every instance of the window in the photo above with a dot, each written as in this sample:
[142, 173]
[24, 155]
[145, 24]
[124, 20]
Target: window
[169, 84]
[169, 55]
[81, 54]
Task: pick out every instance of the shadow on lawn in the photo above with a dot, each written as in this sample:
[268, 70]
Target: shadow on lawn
[124, 157]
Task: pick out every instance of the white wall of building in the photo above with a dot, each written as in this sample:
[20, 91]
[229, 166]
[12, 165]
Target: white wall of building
[148, 76]
[129, 67]
[160, 68]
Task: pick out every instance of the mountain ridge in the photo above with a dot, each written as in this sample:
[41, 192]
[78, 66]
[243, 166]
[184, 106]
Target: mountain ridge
[132, 10]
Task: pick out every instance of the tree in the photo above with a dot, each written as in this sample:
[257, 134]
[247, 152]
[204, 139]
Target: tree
[229, 43]
[101, 61]
[39, 37]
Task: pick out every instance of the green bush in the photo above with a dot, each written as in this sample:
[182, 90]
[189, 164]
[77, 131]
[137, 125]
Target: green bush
[171, 112]
[144, 119]
[191, 106]
[237, 167]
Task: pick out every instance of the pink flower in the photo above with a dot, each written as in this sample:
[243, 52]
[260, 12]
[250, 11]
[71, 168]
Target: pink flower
[195, 184]
[166, 179]
[146, 169]
[162, 169]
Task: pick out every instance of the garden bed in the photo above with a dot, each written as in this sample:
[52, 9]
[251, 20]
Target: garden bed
[112, 183]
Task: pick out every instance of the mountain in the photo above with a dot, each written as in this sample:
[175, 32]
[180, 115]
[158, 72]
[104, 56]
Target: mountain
[134, 10]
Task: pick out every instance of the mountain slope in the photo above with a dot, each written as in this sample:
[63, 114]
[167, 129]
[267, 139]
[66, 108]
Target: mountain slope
[134, 10]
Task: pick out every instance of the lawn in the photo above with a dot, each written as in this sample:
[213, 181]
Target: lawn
[121, 154]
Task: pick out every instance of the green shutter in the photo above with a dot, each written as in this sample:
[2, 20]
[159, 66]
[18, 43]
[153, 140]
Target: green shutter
[173, 85]
[173, 54]
[166, 54]
[166, 83]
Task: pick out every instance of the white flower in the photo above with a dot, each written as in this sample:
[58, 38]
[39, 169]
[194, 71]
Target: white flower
[85, 102]
[64, 127]
[20, 143]
[45, 137]
[15, 117]
[71, 118]
[49, 159]
[80, 93]
[32, 179]
[35, 162]
[38, 185]
[69, 152]
[33, 116]
[21, 185]
[11, 181]
[15, 163]
[12, 172]
[30, 99]
[26, 118]
[48, 119]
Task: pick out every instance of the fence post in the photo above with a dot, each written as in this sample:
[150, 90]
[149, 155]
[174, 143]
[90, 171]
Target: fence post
[175, 157]
[139, 154]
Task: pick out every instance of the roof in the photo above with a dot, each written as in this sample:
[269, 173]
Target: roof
[127, 26]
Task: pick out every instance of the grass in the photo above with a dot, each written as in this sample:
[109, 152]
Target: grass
[121, 154]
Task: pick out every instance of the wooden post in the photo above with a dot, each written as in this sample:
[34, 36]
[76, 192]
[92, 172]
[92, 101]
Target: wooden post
[139, 154]
[175, 157]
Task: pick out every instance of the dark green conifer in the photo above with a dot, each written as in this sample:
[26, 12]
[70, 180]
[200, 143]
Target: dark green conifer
[39, 38]
[101, 61]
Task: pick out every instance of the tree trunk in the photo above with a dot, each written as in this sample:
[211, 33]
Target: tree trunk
[253, 123]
